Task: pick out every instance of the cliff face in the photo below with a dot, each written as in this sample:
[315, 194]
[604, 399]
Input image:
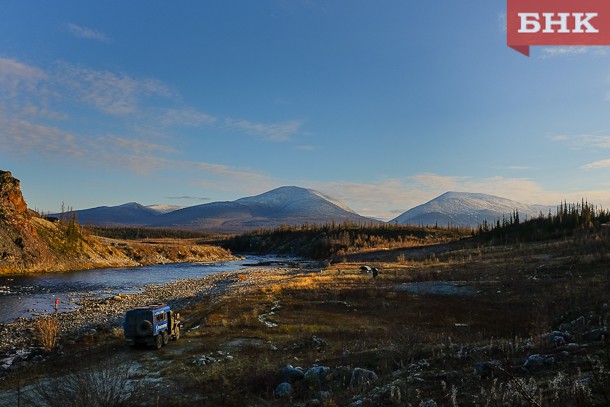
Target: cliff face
[29, 243]
[21, 247]
[11, 199]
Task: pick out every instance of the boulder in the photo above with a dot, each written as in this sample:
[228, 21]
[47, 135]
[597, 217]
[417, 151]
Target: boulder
[537, 361]
[558, 338]
[317, 373]
[283, 390]
[292, 374]
[317, 343]
[595, 334]
[487, 369]
[362, 377]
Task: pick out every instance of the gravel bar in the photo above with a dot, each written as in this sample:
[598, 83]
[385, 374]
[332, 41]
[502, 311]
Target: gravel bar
[95, 312]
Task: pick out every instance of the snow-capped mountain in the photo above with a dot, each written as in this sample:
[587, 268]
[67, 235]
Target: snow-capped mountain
[467, 209]
[129, 214]
[296, 200]
[281, 206]
[164, 208]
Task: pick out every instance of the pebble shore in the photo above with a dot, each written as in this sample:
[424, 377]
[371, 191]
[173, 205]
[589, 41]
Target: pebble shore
[95, 313]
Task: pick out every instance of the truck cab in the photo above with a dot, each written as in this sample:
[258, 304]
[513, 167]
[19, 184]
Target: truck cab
[152, 325]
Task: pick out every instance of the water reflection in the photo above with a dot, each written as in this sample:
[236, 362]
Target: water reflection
[31, 294]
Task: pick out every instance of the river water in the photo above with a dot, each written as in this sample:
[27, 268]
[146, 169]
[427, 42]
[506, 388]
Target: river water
[34, 294]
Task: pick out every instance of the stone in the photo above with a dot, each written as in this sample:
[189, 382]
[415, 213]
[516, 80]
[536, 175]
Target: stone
[291, 374]
[318, 343]
[487, 369]
[558, 338]
[317, 373]
[595, 334]
[537, 361]
[283, 390]
[362, 377]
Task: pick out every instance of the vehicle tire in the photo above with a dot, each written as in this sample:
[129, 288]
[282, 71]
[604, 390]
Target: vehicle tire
[177, 333]
[144, 328]
[165, 337]
[158, 341]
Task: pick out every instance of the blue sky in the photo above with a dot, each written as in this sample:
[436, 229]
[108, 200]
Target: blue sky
[382, 105]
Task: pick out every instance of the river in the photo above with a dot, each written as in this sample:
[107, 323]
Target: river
[34, 294]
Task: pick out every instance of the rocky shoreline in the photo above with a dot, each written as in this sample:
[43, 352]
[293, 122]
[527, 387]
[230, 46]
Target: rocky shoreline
[95, 314]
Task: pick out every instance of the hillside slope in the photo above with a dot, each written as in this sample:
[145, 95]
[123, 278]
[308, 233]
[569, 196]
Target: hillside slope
[281, 206]
[30, 243]
[466, 209]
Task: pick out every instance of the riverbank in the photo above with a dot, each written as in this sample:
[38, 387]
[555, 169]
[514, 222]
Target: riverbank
[46, 247]
[298, 335]
[95, 314]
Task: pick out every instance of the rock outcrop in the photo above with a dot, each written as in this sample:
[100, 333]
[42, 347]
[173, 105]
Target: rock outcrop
[21, 246]
[30, 243]
[11, 199]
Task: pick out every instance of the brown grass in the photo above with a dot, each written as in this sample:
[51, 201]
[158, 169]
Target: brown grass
[46, 332]
[428, 343]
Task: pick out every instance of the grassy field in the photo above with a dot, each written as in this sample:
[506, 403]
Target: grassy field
[462, 323]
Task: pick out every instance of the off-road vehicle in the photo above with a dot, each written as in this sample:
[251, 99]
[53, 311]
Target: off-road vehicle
[152, 325]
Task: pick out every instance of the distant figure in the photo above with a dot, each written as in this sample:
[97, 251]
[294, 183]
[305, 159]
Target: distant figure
[375, 272]
[56, 305]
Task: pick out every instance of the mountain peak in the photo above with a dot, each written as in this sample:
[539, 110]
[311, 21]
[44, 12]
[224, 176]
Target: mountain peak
[290, 195]
[131, 205]
[466, 209]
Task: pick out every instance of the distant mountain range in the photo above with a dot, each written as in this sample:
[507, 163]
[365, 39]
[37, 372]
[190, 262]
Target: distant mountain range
[467, 209]
[281, 206]
[296, 206]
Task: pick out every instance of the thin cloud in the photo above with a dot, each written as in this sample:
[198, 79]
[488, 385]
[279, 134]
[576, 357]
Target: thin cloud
[16, 76]
[269, 131]
[143, 109]
[134, 146]
[568, 51]
[112, 93]
[596, 165]
[87, 33]
[185, 117]
[502, 22]
[582, 141]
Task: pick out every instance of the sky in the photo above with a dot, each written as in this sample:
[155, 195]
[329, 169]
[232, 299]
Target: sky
[382, 105]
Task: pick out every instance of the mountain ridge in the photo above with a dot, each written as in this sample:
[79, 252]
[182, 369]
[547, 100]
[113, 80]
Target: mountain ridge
[287, 205]
[466, 209]
[293, 205]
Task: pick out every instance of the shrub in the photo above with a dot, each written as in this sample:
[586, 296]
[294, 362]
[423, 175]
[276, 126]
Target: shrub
[106, 385]
[46, 331]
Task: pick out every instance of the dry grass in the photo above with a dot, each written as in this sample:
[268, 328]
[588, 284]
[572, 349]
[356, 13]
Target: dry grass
[429, 343]
[522, 292]
[46, 332]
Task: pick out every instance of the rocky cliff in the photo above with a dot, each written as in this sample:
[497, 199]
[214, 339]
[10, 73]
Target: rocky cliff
[30, 243]
[21, 247]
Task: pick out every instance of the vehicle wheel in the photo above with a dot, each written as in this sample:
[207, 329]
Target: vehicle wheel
[177, 334]
[165, 337]
[144, 328]
[158, 341]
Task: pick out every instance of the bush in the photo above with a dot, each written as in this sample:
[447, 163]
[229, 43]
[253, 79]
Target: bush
[104, 385]
[46, 331]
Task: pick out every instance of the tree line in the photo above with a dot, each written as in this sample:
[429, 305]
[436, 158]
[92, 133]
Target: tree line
[567, 220]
